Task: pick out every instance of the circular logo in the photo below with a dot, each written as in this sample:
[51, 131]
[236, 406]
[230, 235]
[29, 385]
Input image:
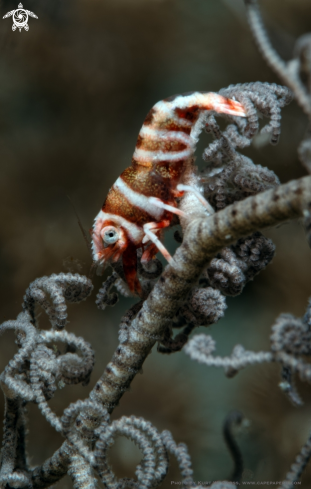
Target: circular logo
[20, 18]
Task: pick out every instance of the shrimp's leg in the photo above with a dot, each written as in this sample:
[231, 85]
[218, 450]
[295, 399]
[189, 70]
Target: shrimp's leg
[149, 253]
[187, 188]
[154, 238]
[129, 259]
[159, 203]
[179, 192]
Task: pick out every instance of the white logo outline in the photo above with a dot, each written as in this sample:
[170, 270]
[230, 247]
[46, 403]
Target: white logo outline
[20, 18]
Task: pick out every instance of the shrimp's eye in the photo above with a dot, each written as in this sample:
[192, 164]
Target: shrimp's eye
[110, 235]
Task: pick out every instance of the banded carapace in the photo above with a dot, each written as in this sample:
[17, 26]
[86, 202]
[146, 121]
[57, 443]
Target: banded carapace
[142, 201]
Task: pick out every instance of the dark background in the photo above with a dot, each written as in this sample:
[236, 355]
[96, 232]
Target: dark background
[74, 92]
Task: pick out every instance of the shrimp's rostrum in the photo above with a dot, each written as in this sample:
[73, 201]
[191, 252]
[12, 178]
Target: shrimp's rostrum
[142, 201]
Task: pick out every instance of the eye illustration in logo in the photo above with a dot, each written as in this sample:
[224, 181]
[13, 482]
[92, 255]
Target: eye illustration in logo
[20, 18]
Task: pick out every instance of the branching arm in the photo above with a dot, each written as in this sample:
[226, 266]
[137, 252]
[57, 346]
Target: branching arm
[288, 72]
[204, 237]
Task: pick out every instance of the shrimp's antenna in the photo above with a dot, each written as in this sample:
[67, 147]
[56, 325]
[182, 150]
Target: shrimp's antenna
[86, 239]
[84, 234]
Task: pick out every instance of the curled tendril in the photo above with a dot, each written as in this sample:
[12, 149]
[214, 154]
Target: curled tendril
[60, 288]
[203, 308]
[153, 467]
[104, 296]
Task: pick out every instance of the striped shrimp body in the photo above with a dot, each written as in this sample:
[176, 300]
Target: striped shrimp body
[142, 202]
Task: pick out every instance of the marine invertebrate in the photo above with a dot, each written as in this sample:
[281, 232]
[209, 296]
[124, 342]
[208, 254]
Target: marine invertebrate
[142, 201]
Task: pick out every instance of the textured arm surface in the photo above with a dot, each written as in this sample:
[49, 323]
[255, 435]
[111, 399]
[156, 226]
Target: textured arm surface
[204, 237]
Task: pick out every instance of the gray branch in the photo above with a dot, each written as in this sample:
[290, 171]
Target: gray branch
[288, 72]
[204, 237]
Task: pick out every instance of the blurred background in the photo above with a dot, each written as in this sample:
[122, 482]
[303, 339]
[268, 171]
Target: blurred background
[74, 92]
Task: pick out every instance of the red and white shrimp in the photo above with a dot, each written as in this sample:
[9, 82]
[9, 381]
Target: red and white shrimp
[142, 202]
